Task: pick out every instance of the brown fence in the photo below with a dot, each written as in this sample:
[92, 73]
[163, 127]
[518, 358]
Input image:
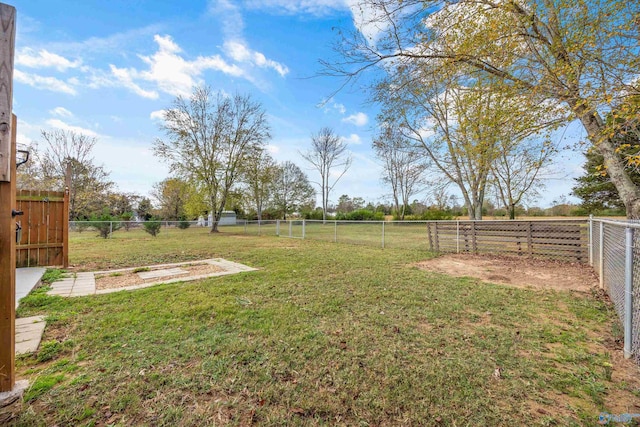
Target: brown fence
[566, 240]
[45, 228]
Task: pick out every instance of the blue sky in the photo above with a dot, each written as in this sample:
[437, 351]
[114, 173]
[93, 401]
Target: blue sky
[108, 68]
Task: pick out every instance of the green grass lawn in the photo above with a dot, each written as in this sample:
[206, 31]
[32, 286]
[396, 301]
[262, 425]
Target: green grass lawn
[322, 334]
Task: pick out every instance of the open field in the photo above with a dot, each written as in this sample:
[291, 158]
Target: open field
[322, 334]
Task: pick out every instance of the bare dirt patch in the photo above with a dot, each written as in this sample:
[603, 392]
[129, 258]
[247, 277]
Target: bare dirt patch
[121, 279]
[518, 272]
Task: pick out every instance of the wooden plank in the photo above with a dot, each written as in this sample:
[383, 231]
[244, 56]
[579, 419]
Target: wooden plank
[8, 273]
[40, 246]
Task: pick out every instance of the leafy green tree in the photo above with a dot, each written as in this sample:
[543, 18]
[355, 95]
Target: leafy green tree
[172, 195]
[291, 190]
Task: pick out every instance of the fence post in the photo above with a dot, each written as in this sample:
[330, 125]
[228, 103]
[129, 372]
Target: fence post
[259, 229]
[110, 229]
[245, 226]
[382, 234]
[591, 240]
[335, 231]
[628, 295]
[278, 227]
[457, 237]
[304, 226]
[601, 248]
[290, 223]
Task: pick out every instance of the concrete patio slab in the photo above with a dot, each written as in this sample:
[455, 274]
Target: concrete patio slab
[27, 279]
[29, 332]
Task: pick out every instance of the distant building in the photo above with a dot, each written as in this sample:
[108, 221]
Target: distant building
[227, 218]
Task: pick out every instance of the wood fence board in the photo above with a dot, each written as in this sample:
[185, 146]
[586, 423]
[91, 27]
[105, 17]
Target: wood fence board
[45, 217]
[556, 239]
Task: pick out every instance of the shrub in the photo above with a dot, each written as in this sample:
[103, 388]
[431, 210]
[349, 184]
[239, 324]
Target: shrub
[314, 214]
[105, 224]
[81, 226]
[152, 227]
[431, 215]
[183, 224]
[127, 217]
[360, 215]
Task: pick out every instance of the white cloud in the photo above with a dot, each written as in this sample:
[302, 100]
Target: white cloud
[370, 21]
[352, 139]
[44, 59]
[289, 7]
[125, 77]
[157, 115]
[171, 72]
[358, 119]
[330, 104]
[234, 46]
[239, 52]
[59, 124]
[46, 83]
[61, 112]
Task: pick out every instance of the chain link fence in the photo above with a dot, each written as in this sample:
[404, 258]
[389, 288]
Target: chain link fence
[611, 247]
[615, 255]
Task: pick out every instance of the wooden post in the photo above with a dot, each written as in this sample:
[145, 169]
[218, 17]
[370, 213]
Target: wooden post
[8, 277]
[7, 45]
[7, 201]
[65, 218]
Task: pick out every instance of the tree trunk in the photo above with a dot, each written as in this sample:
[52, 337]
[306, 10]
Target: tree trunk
[512, 211]
[628, 191]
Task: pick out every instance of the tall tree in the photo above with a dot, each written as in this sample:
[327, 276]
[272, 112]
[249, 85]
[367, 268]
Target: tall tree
[404, 168]
[291, 190]
[90, 184]
[519, 170]
[209, 136]
[328, 152]
[579, 54]
[259, 172]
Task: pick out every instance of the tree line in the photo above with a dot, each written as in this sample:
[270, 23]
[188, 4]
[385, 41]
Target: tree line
[471, 95]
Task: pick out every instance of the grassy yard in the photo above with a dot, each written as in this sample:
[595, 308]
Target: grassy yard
[322, 334]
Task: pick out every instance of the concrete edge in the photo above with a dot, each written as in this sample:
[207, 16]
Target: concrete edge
[168, 282]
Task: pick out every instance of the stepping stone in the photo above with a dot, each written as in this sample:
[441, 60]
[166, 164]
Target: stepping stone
[155, 274]
[29, 331]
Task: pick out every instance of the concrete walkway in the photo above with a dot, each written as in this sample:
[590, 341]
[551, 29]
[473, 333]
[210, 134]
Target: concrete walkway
[29, 330]
[27, 279]
[74, 285]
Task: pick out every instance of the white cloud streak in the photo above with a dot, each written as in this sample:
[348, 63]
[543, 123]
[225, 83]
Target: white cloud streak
[307, 7]
[44, 83]
[28, 57]
[61, 112]
[59, 124]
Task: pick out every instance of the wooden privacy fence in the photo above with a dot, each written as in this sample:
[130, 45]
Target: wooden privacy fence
[563, 239]
[45, 228]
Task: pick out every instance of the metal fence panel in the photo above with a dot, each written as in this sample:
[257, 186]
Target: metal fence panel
[616, 259]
